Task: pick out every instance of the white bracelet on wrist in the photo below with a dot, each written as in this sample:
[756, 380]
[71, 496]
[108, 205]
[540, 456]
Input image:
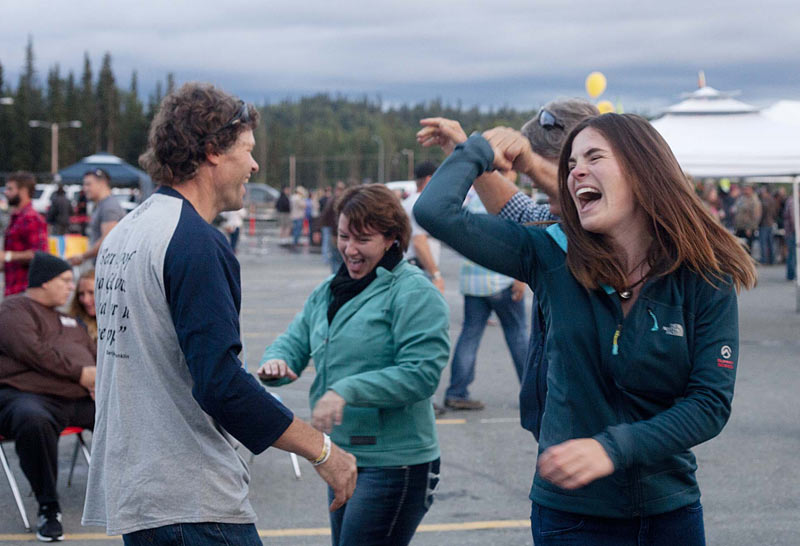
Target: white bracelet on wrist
[326, 451]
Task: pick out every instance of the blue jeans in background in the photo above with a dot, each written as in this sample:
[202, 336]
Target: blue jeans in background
[791, 257]
[196, 534]
[330, 253]
[683, 526]
[297, 231]
[387, 506]
[476, 312]
[765, 243]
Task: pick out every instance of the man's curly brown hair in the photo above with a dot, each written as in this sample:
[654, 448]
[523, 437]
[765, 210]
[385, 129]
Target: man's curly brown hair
[193, 121]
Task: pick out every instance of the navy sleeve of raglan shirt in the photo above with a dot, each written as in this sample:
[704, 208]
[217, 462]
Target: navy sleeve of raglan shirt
[201, 281]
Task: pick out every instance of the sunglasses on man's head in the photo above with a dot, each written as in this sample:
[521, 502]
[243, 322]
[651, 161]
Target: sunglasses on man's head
[547, 120]
[242, 116]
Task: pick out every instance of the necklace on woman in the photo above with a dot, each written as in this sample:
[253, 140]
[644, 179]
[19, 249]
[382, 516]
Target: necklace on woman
[627, 292]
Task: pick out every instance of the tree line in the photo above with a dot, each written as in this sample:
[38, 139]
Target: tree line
[331, 137]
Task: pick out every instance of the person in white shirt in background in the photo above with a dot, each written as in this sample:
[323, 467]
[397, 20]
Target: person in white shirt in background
[232, 222]
[424, 251]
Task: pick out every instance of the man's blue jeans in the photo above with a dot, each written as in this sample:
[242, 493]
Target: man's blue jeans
[765, 242]
[330, 254]
[196, 534]
[476, 312]
[297, 231]
[386, 507]
[791, 257]
[683, 526]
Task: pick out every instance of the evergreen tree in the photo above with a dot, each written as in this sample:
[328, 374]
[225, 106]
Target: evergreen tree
[107, 106]
[133, 124]
[88, 139]
[29, 151]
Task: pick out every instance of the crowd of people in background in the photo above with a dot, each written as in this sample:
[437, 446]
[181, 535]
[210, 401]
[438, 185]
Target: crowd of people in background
[755, 213]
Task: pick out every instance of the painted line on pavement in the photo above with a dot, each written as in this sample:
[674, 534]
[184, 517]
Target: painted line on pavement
[451, 421]
[309, 531]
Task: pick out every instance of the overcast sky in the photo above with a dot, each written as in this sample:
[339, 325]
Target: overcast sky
[486, 53]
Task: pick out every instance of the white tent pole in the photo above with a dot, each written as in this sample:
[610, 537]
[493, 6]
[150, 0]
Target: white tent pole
[796, 210]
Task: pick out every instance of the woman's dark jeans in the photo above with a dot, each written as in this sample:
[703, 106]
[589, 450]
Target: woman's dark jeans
[387, 506]
[196, 534]
[683, 527]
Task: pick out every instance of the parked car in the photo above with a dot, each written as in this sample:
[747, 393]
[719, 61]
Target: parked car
[402, 188]
[43, 194]
[261, 199]
[127, 198]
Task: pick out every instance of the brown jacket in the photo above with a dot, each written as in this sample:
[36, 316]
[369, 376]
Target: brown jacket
[42, 350]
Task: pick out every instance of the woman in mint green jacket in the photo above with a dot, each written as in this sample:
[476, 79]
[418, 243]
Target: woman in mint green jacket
[378, 334]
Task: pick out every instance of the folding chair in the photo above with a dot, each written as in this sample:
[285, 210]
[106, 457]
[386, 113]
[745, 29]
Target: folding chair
[80, 444]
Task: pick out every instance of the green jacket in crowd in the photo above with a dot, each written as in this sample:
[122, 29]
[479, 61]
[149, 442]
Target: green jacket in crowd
[383, 353]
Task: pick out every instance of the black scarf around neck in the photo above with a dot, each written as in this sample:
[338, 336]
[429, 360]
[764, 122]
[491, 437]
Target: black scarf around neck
[344, 288]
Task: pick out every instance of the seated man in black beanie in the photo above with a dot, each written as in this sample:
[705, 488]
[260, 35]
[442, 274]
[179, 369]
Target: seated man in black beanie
[47, 372]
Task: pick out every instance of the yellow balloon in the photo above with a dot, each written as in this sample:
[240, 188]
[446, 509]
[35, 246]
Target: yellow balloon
[605, 106]
[595, 84]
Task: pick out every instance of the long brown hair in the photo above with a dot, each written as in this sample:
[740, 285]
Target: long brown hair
[76, 307]
[682, 229]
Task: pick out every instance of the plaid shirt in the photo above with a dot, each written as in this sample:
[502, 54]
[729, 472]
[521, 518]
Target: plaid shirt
[523, 210]
[27, 230]
[475, 280]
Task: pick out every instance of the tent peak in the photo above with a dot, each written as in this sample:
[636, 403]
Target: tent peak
[710, 101]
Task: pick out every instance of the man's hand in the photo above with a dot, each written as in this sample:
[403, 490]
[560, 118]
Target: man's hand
[328, 412]
[88, 374]
[76, 260]
[443, 132]
[518, 291]
[340, 473]
[275, 369]
[575, 463]
[512, 150]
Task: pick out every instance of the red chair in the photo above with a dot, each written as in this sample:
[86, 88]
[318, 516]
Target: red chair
[80, 444]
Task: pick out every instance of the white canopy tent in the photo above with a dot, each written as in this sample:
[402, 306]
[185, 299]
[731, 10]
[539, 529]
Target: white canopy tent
[714, 135]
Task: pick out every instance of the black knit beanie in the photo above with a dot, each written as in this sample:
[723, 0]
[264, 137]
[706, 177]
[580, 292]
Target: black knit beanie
[44, 267]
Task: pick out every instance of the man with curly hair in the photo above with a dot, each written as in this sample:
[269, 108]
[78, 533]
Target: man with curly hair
[171, 391]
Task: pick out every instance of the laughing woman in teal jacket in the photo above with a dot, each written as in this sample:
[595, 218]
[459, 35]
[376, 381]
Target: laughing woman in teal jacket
[638, 287]
[378, 334]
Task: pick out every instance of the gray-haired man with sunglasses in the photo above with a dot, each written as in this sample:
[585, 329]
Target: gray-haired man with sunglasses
[546, 133]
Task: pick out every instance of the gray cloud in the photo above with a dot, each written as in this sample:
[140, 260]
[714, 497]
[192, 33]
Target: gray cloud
[517, 53]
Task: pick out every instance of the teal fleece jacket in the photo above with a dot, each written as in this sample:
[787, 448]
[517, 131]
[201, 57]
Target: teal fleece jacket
[384, 353]
[647, 386]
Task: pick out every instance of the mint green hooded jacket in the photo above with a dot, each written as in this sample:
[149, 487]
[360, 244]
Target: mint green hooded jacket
[384, 353]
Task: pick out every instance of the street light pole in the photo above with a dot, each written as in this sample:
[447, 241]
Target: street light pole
[381, 158]
[410, 155]
[54, 127]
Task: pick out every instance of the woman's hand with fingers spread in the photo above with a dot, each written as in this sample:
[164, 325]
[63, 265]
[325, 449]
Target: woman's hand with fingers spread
[274, 369]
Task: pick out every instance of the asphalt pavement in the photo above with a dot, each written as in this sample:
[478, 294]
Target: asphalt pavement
[748, 474]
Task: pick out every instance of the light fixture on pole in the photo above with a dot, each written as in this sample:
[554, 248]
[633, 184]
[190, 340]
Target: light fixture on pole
[381, 158]
[54, 127]
[410, 155]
